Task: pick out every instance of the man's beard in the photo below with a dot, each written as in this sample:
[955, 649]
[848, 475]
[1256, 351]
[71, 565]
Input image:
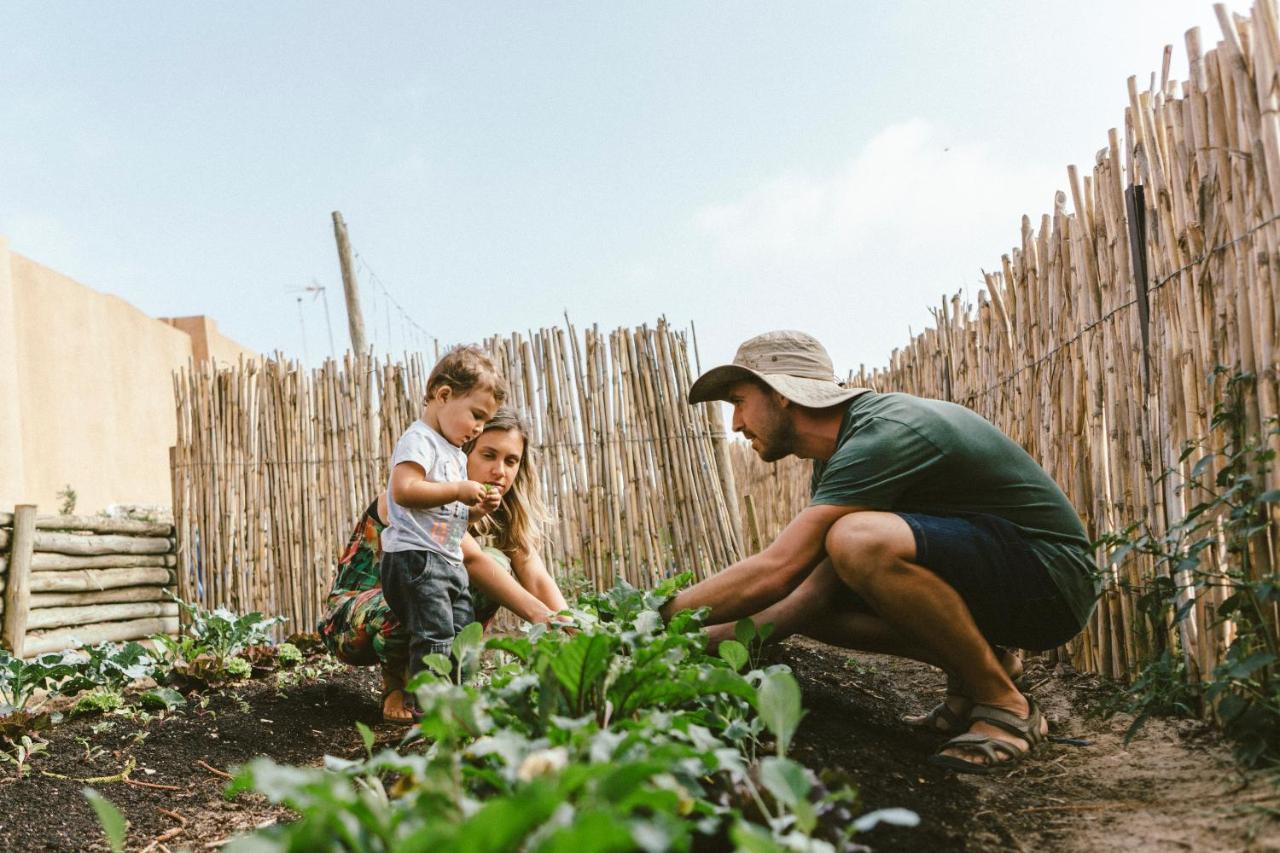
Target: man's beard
[777, 438]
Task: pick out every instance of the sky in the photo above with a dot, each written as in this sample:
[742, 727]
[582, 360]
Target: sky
[830, 167]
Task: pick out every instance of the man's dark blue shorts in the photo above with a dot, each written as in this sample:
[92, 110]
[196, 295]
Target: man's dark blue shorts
[1008, 590]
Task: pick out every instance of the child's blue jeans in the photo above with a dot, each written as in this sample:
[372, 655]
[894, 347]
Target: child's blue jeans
[429, 593]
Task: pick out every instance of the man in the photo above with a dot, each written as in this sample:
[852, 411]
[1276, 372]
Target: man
[930, 535]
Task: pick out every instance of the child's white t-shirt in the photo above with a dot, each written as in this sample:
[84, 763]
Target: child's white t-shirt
[440, 528]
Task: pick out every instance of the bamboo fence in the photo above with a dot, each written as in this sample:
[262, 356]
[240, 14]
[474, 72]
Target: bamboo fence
[74, 580]
[274, 464]
[1092, 344]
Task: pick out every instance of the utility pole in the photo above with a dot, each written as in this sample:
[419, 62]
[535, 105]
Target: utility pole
[355, 319]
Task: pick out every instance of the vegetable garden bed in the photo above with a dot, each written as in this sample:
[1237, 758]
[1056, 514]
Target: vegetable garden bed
[1072, 797]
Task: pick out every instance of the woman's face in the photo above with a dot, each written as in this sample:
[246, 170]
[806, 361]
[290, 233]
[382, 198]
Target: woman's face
[496, 458]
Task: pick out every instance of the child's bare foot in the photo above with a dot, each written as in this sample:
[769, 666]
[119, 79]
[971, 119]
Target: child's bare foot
[395, 709]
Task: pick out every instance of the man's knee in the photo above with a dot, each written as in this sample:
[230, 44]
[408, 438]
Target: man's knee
[864, 545]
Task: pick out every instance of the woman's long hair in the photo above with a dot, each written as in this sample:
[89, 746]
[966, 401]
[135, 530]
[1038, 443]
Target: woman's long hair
[519, 522]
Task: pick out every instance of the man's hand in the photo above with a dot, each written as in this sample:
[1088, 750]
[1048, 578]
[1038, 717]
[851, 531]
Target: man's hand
[470, 492]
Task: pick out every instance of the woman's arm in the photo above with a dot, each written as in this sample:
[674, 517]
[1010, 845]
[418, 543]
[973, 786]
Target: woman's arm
[533, 576]
[498, 584]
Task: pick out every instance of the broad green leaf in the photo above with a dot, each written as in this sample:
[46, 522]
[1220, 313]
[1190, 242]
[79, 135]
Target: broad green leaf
[778, 703]
[749, 838]
[518, 647]
[113, 823]
[1250, 665]
[785, 779]
[745, 631]
[162, 697]
[735, 653]
[366, 735]
[580, 666]
[467, 647]
[439, 664]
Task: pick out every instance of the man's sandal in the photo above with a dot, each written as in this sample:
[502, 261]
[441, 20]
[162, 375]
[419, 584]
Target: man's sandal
[940, 719]
[1000, 754]
[414, 714]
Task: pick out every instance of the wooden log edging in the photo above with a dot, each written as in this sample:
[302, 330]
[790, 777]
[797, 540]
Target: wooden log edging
[70, 580]
[17, 581]
[79, 544]
[54, 640]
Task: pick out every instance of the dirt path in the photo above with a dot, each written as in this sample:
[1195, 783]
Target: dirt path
[1174, 787]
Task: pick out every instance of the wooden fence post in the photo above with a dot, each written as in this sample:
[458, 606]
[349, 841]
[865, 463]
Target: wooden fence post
[17, 591]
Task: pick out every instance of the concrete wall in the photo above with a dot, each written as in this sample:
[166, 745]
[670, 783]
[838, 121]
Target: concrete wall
[92, 379]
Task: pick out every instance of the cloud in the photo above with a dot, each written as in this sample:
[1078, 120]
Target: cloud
[907, 182]
[866, 249]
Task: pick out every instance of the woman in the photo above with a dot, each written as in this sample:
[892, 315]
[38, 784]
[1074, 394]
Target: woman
[359, 628]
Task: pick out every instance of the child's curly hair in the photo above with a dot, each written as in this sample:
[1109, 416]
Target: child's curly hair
[465, 369]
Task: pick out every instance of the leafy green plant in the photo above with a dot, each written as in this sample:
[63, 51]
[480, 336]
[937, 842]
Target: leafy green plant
[20, 679]
[100, 700]
[217, 645]
[1220, 545]
[107, 665]
[238, 667]
[621, 734]
[289, 654]
[20, 752]
[66, 500]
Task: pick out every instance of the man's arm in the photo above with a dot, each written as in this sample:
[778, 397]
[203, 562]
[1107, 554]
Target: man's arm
[751, 585]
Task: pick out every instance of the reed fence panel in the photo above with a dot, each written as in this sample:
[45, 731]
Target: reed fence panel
[273, 464]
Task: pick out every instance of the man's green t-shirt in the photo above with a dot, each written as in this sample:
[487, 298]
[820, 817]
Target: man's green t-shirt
[900, 453]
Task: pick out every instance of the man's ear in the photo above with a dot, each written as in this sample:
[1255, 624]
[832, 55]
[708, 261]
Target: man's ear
[783, 402]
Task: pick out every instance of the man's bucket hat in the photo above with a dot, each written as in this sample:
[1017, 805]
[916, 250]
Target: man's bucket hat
[792, 363]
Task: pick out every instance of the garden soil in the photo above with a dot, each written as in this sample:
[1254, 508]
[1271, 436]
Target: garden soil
[1174, 787]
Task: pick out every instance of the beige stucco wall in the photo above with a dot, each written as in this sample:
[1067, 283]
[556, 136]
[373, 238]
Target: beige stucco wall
[92, 378]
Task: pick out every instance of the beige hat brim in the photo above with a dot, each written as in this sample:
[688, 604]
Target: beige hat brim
[812, 393]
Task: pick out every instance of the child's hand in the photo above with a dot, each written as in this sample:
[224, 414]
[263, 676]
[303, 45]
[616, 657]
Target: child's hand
[491, 499]
[470, 492]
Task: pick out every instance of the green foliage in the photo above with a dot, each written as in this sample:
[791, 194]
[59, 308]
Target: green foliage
[221, 633]
[20, 751]
[620, 734]
[289, 654]
[1219, 546]
[237, 667]
[162, 699]
[113, 823]
[100, 700]
[20, 679]
[66, 500]
[217, 645]
[107, 665]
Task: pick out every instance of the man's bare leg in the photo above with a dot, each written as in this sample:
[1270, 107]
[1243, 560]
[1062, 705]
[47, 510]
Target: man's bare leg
[873, 554]
[818, 609]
